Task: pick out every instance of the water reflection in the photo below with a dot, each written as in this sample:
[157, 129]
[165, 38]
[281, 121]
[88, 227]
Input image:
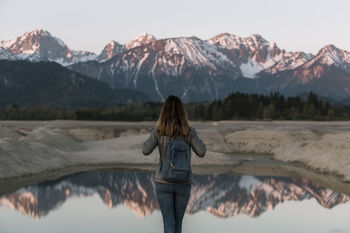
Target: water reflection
[223, 195]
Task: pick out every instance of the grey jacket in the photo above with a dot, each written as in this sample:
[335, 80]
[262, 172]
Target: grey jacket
[162, 142]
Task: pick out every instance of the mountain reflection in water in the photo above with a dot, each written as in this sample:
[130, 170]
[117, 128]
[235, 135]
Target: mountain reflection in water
[222, 195]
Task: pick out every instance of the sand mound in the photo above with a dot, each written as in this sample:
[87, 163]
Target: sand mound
[39, 150]
[328, 153]
[33, 147]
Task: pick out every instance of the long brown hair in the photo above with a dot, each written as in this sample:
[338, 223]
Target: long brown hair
[173, 119]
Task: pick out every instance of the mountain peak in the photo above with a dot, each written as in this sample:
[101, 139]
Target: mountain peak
[330, 54]
[113, 42]
[257, 38]
[224, 37]
[329, 49]
[39, 44]
[230, 40]
[145, 36]
[37, 32]
[110, 50]
[141, 39]
[25, 36]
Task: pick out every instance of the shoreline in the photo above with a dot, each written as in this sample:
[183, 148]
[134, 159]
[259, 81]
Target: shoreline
[255, 165]
[33, 147]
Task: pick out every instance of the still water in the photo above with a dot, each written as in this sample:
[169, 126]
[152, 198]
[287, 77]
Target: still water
[125, 201]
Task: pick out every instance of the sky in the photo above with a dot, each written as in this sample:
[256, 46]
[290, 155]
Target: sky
[298, 25]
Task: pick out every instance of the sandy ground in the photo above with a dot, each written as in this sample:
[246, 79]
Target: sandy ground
[35, 147]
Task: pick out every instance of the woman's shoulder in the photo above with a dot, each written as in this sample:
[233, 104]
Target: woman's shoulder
[155, 131]
[192, 130]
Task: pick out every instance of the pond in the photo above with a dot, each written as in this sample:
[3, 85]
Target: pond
[125, 201]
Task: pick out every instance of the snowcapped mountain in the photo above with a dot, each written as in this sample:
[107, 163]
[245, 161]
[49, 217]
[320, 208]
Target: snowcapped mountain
[114, 48]
[195, 69]
[110, 50]
[223, 195]
[256, 54]
[40, 45]
[172, 57]
[192, 68]
[188, 67]
[328, 56]
[326, 74]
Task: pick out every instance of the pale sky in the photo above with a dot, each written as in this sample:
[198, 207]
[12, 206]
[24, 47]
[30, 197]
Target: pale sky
[294, 25]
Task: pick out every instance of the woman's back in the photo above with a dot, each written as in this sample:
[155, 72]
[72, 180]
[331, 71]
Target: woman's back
[162, 141]
[172, 197]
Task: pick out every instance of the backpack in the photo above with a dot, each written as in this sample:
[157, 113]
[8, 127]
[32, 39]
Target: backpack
[177, 165]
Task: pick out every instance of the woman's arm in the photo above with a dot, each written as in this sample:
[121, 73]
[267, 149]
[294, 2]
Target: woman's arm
[151, 143]
[197, 144]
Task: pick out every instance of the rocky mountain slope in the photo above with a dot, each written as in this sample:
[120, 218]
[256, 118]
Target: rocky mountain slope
[47, 83]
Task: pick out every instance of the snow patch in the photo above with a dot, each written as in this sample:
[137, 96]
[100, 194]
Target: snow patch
[249, 69]
[249, 183]
[139, 65]
[156, 83]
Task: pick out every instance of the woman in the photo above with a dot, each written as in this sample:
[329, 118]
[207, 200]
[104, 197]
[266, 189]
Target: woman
[172, 197]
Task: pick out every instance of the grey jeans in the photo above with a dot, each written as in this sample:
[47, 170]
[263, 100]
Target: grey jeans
[173, 199]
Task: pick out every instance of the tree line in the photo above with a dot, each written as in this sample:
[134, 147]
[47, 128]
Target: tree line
[236, 106]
